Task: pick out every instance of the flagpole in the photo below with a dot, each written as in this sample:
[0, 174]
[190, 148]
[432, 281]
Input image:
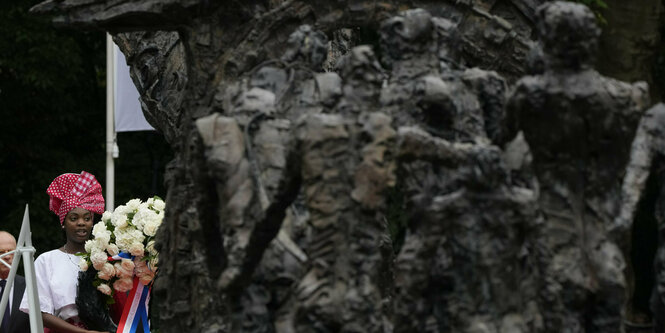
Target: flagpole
[110, 122]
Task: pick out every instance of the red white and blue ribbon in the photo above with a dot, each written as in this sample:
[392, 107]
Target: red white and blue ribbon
[135, 313]
[120, 256]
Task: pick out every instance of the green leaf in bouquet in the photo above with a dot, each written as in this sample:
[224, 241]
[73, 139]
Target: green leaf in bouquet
[148, 257]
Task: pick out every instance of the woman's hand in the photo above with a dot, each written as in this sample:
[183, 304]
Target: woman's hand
[60, 325]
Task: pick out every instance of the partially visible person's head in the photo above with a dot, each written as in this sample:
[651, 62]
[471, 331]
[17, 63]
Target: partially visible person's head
[7, 243]
[75, 195]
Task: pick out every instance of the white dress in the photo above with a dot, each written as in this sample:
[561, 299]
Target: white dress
[57, 278]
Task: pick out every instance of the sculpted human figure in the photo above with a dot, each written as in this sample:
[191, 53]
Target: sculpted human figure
[578, 125]
[415, 89]
[345, 169]
[248, 151]
[464, 265]
[429, 84]
[475, 85]
[457, 263]
[297, 80]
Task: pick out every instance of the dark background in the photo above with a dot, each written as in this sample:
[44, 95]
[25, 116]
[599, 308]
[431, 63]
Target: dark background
[53, 121]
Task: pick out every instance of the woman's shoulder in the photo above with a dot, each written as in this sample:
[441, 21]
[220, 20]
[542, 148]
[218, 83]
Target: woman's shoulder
[49, 255]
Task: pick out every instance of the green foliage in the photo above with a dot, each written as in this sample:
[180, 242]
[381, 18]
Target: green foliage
[52, 109]
[52, 104]
[597, 6]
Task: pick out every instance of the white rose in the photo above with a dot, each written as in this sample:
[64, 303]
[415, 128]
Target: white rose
[104, 289]
[140, 267]
[137, 249]
[93, 245]
[88, 245]
[83, 264]
[98, 246]
[150, 228]
[133, 204]
[112, 249]
[123, 238]
[124, 269]
[101, 233]
[141, 217]
[98, 259]
[159, 205]
[121, 235]
[127, 264]
[119, 218]
[144, 205]
[107, 272]
[123, 285]
[106, 217]
[137, 236]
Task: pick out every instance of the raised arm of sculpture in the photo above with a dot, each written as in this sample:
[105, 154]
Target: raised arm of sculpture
[413, 140]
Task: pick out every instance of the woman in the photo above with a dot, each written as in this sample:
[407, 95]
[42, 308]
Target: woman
[75, 198]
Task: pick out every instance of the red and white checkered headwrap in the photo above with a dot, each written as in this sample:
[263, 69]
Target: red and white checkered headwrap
[70, 190]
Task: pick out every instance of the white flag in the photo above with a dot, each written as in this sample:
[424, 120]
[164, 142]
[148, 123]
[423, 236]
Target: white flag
[128, 114]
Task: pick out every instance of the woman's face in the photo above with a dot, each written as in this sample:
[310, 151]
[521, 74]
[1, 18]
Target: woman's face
[77, 225]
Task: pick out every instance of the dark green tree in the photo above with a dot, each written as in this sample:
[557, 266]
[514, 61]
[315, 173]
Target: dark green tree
[52, 111]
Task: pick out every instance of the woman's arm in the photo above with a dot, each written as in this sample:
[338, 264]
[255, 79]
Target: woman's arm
[61, 326]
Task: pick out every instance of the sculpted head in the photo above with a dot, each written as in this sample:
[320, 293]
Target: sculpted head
[407, 34]
[307, 46]
[361, 65]
[569, 35]
[362, 75]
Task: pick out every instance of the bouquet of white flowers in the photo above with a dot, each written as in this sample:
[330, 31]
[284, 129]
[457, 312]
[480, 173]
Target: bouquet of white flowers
[123, 246]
